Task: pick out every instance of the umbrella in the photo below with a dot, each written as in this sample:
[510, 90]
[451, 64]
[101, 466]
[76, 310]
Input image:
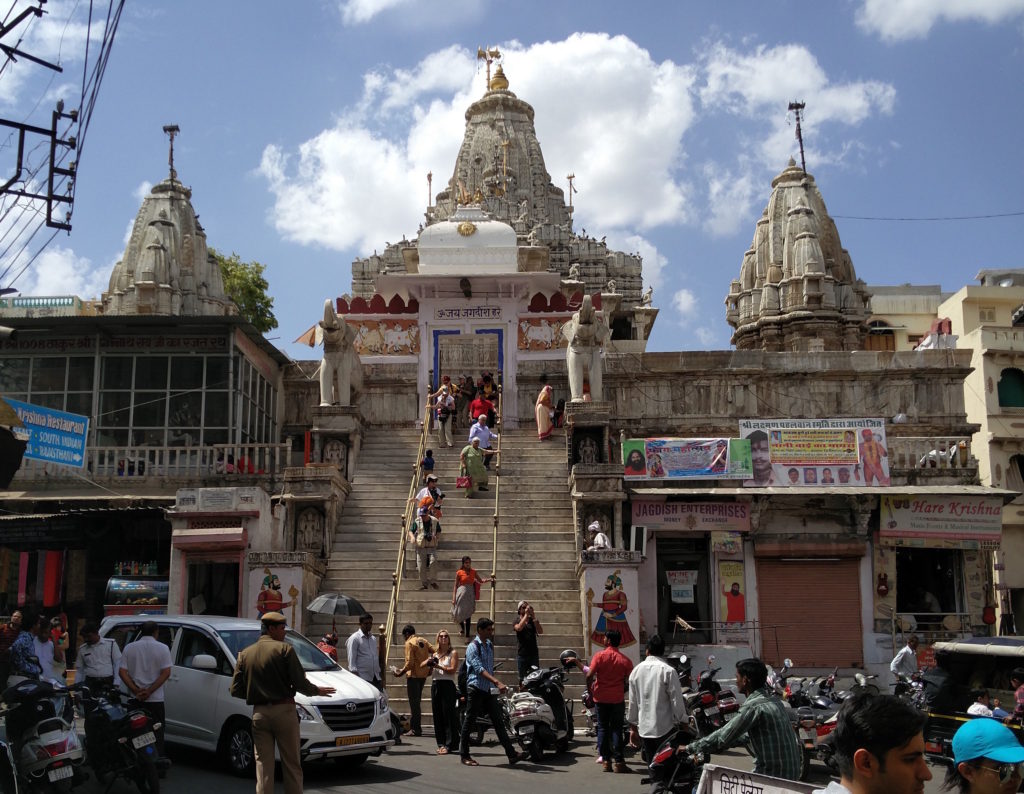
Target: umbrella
[335, 604]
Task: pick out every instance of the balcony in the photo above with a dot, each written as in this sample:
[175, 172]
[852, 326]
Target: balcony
[219, 464]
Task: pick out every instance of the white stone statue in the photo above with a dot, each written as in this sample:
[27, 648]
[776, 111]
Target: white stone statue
[647, 297]
[340, 369]
[585, 332]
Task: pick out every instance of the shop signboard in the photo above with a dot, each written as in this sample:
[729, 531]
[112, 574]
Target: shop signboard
[952, 517]
[685, 459]
[682, 584]
[692, 516]
[54, 436]
[827, 453]
[716, 779]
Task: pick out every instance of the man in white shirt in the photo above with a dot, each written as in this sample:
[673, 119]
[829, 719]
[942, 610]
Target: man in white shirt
[98, 658]
[47, 653]
[981, 707]
[904, 663]
[363, 653]
[145, 666]
[656, 703]
[598, 540]
[485, 434]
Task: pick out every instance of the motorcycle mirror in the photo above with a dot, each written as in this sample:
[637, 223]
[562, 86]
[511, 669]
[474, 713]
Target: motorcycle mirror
[787, 662]
[861, 679]
[683, 658]
[711, 659]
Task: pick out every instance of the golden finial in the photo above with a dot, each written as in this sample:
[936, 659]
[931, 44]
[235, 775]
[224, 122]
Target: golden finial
[499, 82]
[489, 55]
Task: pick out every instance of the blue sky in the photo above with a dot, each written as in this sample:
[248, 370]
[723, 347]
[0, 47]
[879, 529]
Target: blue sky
[307, 130]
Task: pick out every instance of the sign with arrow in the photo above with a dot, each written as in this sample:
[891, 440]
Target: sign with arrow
[54, 436]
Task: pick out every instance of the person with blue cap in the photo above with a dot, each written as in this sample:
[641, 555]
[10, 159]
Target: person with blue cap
[987, 758]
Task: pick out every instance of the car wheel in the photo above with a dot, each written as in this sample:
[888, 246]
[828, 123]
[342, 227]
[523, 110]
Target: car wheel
[236, 748]
[805, 763]
[351, 761]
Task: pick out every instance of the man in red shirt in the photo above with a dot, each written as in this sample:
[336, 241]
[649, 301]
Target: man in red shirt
[608, 679]
[8, 634]
[479, 405]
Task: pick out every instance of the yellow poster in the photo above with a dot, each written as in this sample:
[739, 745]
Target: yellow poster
[734, 602]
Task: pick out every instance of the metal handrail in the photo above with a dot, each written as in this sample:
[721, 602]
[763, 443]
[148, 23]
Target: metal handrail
[497, 494]
[406, 521]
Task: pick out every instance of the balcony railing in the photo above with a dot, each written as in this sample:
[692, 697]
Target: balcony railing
[936, 452]
[141, 463]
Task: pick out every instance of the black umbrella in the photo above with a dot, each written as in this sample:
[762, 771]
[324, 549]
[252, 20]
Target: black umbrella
[335, 604]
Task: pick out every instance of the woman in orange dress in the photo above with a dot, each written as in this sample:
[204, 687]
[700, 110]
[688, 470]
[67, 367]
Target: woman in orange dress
[464, 595]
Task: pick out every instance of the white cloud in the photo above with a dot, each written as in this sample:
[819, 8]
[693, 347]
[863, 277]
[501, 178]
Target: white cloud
[685, 303]
[362, 181]
[706, 336]
[414, 13]
[356, 12]
[731, 198]
[898, 20]
[654, 261]
[58, 271]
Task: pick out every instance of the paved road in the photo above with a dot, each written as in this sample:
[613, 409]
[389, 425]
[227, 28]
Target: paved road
[414, 767]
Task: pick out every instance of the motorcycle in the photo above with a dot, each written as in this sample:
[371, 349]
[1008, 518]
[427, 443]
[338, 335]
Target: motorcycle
[670, 771]
[813, 728]
[911, 689]
[540, 715]
[8, 773]
[40, 724]
[779, 679]
[120, 738]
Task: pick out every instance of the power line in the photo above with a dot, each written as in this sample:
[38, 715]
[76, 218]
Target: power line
[937, 218]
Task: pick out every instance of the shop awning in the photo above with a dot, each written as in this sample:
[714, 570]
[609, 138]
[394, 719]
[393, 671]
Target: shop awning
[210, 538]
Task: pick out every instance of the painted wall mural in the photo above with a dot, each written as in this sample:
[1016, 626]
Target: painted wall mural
[542, 333]
[380, 337]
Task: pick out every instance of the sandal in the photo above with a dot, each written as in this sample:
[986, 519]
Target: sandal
[469, 762]
[442, 751]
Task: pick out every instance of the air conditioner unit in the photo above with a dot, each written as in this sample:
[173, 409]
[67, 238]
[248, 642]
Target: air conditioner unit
[638, 539]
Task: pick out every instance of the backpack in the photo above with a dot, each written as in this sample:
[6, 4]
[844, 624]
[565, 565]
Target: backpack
[426, 537]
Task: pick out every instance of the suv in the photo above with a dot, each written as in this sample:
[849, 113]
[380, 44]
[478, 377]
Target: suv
[975, 663]
[348, 726]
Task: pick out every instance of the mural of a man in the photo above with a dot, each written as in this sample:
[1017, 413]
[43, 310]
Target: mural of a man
[270, 598]
[871, 454]
[735, 604]
[614, 604]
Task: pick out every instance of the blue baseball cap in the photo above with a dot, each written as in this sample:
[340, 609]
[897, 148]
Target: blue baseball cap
[984, 737]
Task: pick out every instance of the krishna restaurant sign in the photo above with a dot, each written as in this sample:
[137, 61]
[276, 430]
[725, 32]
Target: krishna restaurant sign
[693, 516]
[949, 517]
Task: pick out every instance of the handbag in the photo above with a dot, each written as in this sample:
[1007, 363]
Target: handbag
[462, 481]
[476, 590]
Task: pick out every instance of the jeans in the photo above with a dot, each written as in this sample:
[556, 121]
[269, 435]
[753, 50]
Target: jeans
[443, 696]
[610, 717]
[414, 688]
[524, 663]
[478, 701]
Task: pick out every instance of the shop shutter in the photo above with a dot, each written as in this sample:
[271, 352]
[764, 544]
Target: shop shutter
[809, 610]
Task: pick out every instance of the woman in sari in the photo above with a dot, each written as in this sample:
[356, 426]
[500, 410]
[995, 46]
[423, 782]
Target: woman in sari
[467, 582]
[542, 412]
[472, 460]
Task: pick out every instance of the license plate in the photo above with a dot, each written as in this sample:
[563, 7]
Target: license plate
[525, 729]
[711, 711]
[59, 773]
[143, 740]
[344, 741]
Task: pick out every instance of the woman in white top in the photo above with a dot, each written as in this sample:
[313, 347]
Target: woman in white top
[444, 667]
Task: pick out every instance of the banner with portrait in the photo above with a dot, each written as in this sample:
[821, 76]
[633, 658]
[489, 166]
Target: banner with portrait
[685, 459]
[832, 453]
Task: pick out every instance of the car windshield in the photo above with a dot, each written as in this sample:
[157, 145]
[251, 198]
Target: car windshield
[312, 658]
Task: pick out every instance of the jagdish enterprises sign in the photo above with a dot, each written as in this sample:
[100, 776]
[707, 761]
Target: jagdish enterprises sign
[693, 516]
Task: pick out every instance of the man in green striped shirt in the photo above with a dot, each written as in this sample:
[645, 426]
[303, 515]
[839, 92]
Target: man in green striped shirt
[761, 724]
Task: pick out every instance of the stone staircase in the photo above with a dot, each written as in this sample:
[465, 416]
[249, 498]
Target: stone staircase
[536, 548]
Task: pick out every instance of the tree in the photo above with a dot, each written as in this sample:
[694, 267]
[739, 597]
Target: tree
[245, 285]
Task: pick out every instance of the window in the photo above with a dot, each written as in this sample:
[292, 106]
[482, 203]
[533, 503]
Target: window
[1011, 388]
[1015, 473]
[193, 643]
[987, 314]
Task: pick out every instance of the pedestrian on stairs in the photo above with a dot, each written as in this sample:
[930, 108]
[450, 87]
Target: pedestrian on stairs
[465, 594]
[527, 628]
[445, 410]
[417, 651]
[482, 432]
[424, 536]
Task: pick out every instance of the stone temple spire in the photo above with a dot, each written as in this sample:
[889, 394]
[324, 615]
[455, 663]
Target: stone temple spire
[797, 289]
[166, 268]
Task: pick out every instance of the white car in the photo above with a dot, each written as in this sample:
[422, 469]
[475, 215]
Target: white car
[350, 725]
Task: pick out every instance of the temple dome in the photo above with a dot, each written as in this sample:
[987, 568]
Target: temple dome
[469, 242]
[166, 268]
[797, 289]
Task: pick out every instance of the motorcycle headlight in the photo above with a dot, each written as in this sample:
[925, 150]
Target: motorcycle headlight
[306, 714]
[382, 702]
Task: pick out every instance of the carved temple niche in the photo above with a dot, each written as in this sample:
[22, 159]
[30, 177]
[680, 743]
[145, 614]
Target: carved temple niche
[588, 447]
[335, 451]
[309, 531]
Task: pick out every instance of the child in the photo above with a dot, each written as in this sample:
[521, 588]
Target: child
[426, 466]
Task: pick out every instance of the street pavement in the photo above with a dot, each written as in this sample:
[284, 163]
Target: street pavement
[415, 767]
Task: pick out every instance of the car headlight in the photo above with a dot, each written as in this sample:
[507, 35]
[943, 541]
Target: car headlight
[382, 702]
[305, 714]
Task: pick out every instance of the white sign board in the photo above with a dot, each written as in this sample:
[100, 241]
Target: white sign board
[722, 780]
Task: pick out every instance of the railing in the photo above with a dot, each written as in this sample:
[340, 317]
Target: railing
[407, 519]
[938, 452]
[137, 462]
[497, 497]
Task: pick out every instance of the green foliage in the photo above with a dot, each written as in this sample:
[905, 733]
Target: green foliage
[245, 285]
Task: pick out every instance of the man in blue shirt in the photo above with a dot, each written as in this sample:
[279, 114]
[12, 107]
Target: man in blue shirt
[485, 434]
[24, 662]
[479, 680]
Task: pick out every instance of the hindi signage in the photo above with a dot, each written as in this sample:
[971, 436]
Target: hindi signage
[716, 779]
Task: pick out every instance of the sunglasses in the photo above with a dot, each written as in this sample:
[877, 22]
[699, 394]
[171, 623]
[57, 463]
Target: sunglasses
[1007, 771]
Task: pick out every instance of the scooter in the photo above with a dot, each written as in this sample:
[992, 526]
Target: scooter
[541, 717]
[678, 773]
[483, 722]
[120, 739]
[8, 773]
[778, 679]
[40, 724]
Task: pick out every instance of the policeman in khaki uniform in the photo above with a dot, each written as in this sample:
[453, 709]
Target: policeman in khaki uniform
[268, 675]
